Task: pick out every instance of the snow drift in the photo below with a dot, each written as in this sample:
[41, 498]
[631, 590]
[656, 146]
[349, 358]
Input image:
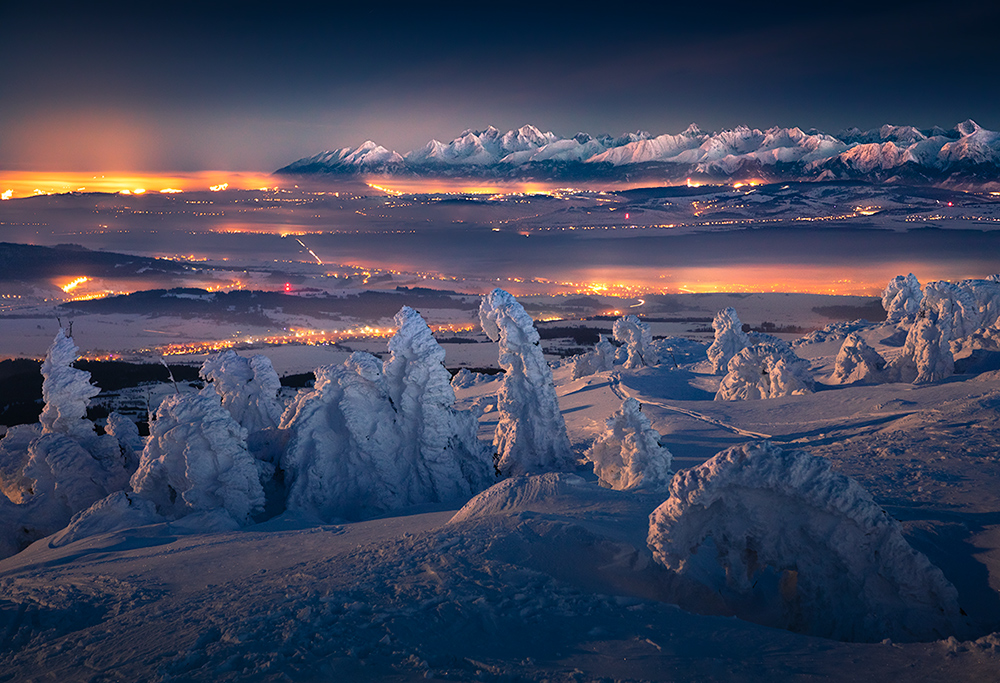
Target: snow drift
[790, 543]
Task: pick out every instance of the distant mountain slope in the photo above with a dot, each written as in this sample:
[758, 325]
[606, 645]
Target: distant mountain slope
[966, 153]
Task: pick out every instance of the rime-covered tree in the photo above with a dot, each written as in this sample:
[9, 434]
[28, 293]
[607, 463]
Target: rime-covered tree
[635, 336]
[531, 433]
[248, 388]
[901, 298]
[765, 371]
[628, 455]
[730, 339]
[857, 362]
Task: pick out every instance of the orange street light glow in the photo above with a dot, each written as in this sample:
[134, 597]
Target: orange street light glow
[7, 194]
[70, 286]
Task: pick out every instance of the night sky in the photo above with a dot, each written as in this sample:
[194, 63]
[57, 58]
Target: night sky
[253, 87]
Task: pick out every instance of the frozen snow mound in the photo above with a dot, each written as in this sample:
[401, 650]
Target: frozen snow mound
[730, 339]
[857, 362]
[531, 432]
[248, 388]
[833, 331]
[765, 371]
[600, 359]
[927, 355]
[120, 510]
[518, 493]
[635, 336]
[196, 460]
[788, 542]
[628, 455]
[901, 298]
[466, 379]
[65, 390]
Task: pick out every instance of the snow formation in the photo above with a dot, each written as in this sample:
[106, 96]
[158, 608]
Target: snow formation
[986, 294]
[787, 541]
[901, 298]
[730, 339]
[126, 433]
[248, 388]
[531, 433]
[600, 359]
[635, 336]
[369, 439]
[857, 361]
[953, 307]
[765, 371]
[926, 355]
[628, 455]
[196, 460]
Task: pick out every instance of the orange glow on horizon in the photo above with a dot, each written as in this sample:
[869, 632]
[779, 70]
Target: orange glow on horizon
[19, 184]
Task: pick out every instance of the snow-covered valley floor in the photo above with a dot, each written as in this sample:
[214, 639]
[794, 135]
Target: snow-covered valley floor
[540, 578]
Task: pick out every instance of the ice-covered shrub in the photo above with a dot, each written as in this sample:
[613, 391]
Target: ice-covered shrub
[531, 433]
[926, 355]
[788, 542]
[628, 455]
[901, 298]
[637, 340]
[765, 371]
[65, 390]
[600, 359]
[248, 388]
[953, 307]
[448, 460]
[730, 339]
[857, 361]
[196, 459]
[71, 475]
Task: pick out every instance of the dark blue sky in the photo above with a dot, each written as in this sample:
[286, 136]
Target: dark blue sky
[245, 86]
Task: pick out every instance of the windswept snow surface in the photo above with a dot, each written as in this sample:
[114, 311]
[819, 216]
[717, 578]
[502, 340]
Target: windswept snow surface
[531, 433]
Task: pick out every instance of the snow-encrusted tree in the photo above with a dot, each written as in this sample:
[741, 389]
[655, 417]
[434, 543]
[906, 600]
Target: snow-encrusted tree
[901, 298]
[730, 339]
[926, 355]
[986, 294]
[857, 361]
[953, 307]
[783, 538]
[531, 433]
[628, 455]
[196, 460]
[66, 391]
[635, 336]
[248, 387]
[448, 460]
[600, 359]
[765, 371]
[127, 435]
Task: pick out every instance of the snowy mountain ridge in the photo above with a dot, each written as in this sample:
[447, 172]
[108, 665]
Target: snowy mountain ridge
[966, 152]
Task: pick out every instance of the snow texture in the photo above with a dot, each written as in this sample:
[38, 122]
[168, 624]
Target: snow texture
[248, 387]
[986, 294]
[954, 308]
[120, 510]
[516, 493]
[466, 379]
[901, 298]
[65, 390]
[857, 362]
[531, 432]
[927, 355]
[628, 455]
[765, 371]
[196, 460]
[600, 359]
[729, 340]
[370, 439]
[786, 540]
[637, 340]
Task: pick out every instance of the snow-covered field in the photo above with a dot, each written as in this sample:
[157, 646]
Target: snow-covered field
[862, 543]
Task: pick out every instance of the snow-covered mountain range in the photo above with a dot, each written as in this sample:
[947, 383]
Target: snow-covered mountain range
[965, 153]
